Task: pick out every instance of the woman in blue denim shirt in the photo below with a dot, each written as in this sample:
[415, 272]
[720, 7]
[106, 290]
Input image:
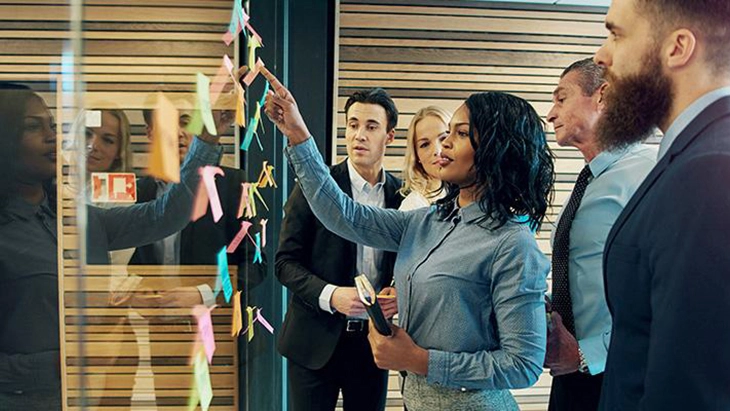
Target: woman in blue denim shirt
[469, 274]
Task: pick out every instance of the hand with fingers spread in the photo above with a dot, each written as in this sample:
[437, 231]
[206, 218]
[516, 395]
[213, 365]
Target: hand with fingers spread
[282, 110]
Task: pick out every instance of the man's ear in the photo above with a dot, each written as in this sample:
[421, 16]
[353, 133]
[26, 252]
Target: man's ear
[148, 129]
[391, 137]
[679, 48]
[600, 95]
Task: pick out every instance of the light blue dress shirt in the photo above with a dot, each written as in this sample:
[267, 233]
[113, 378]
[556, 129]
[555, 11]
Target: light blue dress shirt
[616, 176]
[471, 295]
[689, 114]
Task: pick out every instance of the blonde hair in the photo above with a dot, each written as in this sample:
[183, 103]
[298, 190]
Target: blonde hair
[124, 162]
[415, 177]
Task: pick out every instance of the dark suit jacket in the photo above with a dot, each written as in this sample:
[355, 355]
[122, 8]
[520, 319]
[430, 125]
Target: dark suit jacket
[201, 240]
[667, 274]
[310, 257]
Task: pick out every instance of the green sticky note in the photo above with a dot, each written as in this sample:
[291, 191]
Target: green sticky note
[202, 380]
[195, 126]
[203, 90]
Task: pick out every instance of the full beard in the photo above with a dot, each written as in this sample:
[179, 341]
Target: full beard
[635, 105]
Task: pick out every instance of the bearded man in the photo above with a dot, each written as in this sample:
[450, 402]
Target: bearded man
[667, 257]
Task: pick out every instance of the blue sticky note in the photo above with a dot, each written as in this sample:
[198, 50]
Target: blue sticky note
[257, 257]
[250, 130]
[223, 274]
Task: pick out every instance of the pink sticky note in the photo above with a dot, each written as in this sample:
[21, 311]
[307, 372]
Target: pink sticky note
[229, 64]
[228, 37]
[245, 225]
[263, 231]
[209, 173]
[244, 200]
[260, 318]
[205, 330]
[254, 71]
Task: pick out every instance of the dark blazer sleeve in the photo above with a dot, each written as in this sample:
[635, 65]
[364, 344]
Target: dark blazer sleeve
[688, 359]
[295, 246]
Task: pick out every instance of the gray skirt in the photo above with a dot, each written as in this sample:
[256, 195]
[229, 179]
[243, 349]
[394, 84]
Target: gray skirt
[418, 395]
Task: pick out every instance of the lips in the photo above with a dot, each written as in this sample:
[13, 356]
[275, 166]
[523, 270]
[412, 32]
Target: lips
[443, 161]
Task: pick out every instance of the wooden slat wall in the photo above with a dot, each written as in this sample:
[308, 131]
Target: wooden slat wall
[440, 51]
[132, 49]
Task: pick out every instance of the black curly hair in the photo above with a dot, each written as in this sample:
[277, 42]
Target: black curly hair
[513, 163]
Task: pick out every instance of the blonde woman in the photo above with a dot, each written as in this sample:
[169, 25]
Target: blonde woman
[421, 182]
[109, 147]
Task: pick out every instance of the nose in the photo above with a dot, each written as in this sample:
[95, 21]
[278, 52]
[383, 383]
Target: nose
[603, 56]
[551, 115]
[447, 143]
[92, 143]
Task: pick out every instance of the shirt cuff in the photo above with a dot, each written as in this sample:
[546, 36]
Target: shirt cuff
[325, 296]
[207, 294]
[438, 368]
[302, 152]
[595, 351]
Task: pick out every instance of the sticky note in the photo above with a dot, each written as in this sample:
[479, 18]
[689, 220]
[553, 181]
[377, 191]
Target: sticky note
[207, 193]
[194, 397]
[249, 330]
[209, 173]
[254, 191]
[244, 200]
[205, 330]
[253, 72]
[237, 322]
[253, 43]
[250, 130]
[253, 33]
[263, 231]
[245, 225]
[223, 274]
[202, 381]
[203, 92]
[238, 19]
[93, 118]
[240, 106]
[261, 320]
[266, 177]
[257, 256]
[195, 126]
[164, 160]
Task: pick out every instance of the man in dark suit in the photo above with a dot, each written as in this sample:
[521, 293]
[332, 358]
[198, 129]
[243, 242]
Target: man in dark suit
[200, 242]
[324, 335]
[666, 264]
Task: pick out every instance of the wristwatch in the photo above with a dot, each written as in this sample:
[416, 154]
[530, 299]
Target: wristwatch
[583, 367]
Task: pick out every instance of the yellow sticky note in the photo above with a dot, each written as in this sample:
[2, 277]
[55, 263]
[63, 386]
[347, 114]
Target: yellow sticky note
[237, 323]
[249, 311]
[253, 44]
[240, 108]
[203, 91]
[164, 160]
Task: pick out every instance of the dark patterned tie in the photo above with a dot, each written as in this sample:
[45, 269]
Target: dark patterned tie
[562, 302]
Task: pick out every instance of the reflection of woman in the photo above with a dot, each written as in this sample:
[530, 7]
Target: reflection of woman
[29, 340]
[421, 181]
[109, 147]
[470, 278]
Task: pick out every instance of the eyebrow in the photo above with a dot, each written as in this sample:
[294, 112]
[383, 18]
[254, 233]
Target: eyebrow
[558, 90]
[460, 124]
[611, 26]
[367, 121]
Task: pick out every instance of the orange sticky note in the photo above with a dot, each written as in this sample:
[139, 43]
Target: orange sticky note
[164, 162]
[237, 323]
[266, 177]
[254, 71]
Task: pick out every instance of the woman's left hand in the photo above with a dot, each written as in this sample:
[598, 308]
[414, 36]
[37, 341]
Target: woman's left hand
[397, 352]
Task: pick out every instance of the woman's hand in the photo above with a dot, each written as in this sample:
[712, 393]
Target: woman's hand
[388, 302]
[282, 110]
[397, 352]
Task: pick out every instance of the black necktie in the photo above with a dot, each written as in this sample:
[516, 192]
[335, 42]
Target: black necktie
[562, 302]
